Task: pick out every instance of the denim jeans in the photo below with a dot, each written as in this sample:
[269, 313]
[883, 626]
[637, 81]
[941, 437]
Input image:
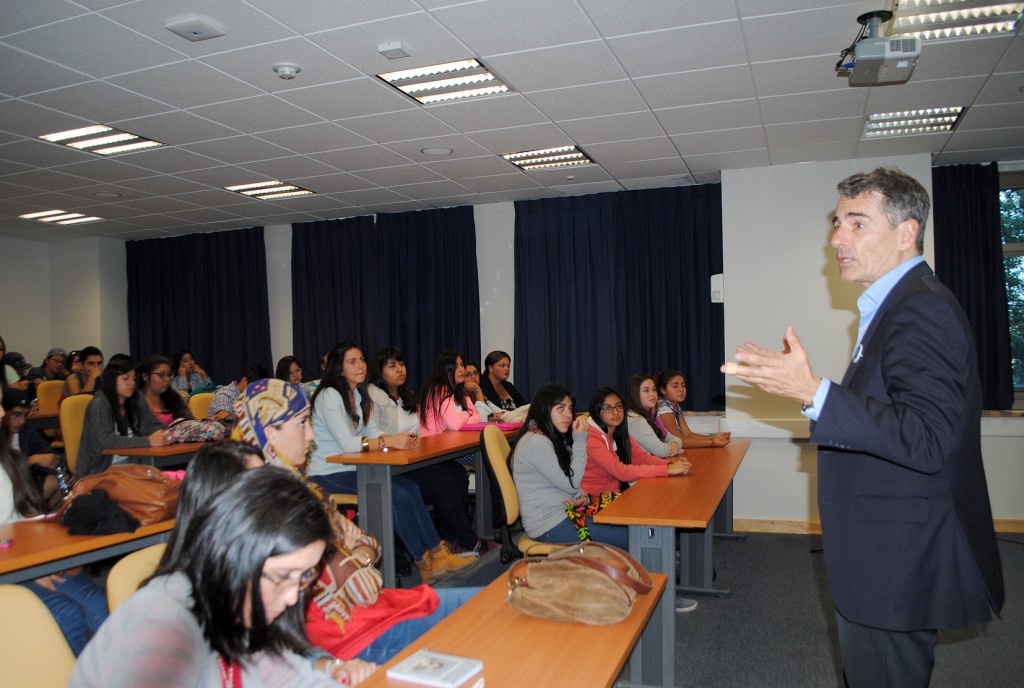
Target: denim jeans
[78, 605]
[565, 532]
[412, 520]
[399, 636]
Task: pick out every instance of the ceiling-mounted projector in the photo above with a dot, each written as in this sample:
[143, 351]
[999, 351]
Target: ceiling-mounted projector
[874, 60]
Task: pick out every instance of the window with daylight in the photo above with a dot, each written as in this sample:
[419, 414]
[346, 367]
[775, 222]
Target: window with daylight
[1011, 210]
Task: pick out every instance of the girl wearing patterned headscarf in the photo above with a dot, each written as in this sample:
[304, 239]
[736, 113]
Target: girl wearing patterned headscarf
[349, 615]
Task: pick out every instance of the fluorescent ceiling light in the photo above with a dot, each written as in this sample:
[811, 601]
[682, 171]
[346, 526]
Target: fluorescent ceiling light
[547, 158]
[98, 139]
[59, 217]
[267, 191]
[447, 81]
[913, 122]
[934, 19]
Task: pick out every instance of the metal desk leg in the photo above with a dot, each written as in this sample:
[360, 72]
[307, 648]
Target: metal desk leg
[484, 517]
[653, 660]
[696, 573]
[376, 514]
[723, 519]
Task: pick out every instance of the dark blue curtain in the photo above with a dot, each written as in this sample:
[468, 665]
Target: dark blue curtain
[612, 284]
[969, 260]
[409, 281]
[203, 292]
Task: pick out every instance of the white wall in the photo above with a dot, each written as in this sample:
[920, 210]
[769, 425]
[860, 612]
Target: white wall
[495, 251]
[25, 297]
[278, 244]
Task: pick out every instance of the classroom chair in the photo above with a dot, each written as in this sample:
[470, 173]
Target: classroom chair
[72, 419]
[33, 651]
[48, 393]
[496, 449]
[128, 573]
[199, 404]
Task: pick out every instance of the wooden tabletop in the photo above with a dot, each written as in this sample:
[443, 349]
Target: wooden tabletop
[686, 501]
[39, 542]
[520, 650]
[427, 448]
[166, 450]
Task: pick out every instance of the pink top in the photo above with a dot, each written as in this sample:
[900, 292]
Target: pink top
[604, 469]
[451, 417]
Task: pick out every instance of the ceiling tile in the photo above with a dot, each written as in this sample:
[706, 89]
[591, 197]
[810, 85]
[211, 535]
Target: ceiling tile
[514, 139]
[661, 182]
[293, 168]
[462, 147]
[219, 177]
[798, 75]
[237, 149]
[100, 102]
[636, 125]
[319, 15]
[176, 128]
[46, 180]
[489, 28]
[901, 145]
[591, 100]
[473, 167]
[41, 153]
[975, 157]
[824, 131]
[614, 17]
[313, 138]
[19, 16]
[578, 175]
[713, 117]
[106, 169]
[25, 74]
[500, 182]
[1002, 88]
[163, 184]
[398, 126]
[681, 50]
[565, 65]
[693, 88]
[157, 204]
[171, 159]
[632, 151]
[746, 138]
[441, 188]
[62, 43]
[646, 168]
[491, 112]
[812, 106]
[925, 94]
[261, 113]
[1013, 60]
[218, 198]
[401, 174]
[185, 84]
[813, 152]
[28, 119]
[579, 189]
[361, 158]
[726, 161]
[988, 138]
[349, 99]
[337, 183]
[255, 65]
[813, 31]
[965, 57]
[370, 196]
[992, 116]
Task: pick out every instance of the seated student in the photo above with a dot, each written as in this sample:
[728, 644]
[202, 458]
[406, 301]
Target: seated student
[16, 363]
[495, 385]
[227, 610]
[548, 463]
[644, 425]
[614, 459]
[672, 389]
[8, 376]
[166, 404]
[189, 376]
[54, 367]
[31, 444]
[445, 400]
[290, 370]
[85, 381]
[117, 417]
[444, 485]
[351, 616]
[76, 602]
[343, 422]
[222, 406]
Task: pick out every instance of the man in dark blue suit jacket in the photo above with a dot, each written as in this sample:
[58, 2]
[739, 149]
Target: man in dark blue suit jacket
[905, 515]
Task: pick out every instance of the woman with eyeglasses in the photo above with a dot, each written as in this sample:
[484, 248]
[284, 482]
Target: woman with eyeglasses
[227, 610]
[614, 459]
[290, 370]
[167, 405]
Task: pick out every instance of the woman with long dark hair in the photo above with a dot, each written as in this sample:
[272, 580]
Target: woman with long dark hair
[446, 399]
[644, 424]
[394, 402]
[548, 463]
[614, 459]
[189, 376]
[167, 405]
[672, 394]
[343, 422]
[116, 417]
[228, 610]
[290, 370]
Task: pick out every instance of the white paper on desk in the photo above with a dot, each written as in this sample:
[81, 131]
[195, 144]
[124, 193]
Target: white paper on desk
[436, 669]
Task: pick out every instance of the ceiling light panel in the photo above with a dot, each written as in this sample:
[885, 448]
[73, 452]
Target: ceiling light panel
[60, 217]
[548, 158]
[913, 122]
[936, 19]
[101, 140]
[268, 191]
[448, 81]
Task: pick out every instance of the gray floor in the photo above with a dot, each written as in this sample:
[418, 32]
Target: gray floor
[778, 628]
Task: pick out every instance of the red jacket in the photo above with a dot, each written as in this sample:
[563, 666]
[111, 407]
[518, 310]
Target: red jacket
[604, 469]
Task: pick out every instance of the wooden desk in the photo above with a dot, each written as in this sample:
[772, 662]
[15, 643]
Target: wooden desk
[45, 547]
[700, 503]
[161, 457]
[43, 421]
[375, 469]
[520, 650]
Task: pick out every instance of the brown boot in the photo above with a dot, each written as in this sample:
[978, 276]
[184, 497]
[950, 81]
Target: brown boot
[426, 570]
[443, 561]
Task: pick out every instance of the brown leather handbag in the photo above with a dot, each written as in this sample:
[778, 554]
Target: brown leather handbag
[142, 491]
[592, 583]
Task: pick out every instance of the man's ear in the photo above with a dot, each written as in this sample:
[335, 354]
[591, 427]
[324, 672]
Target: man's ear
[908, 230]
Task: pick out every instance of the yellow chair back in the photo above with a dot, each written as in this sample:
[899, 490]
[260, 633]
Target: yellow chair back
[48, 393]
[127, 574]
[199, 404]
[72, 418]
[496, 451]
[33, 651]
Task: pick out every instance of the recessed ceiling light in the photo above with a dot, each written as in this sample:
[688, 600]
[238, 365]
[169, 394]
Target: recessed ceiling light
[547, 158]
[270, 190]
[934, 19]
[448, 81]
[60, 217]
[436, 150]
[913, 122]
[107, 194]
[101, 140]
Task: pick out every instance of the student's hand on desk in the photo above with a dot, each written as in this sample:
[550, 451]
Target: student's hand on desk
[678, 467]
[159, 438]
[674, 448]
[404, 440]
[720, 439]
[354, 671]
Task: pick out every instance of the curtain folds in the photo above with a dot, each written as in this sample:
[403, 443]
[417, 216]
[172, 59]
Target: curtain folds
[969, 260]
[203, 292]
[612, 284]
[409, 280]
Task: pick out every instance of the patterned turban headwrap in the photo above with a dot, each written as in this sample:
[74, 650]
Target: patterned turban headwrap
[264, 404]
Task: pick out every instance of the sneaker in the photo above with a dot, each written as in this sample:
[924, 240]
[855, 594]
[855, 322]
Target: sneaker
[460, 551]
[445, 562]
[484, 546]
[685, 605]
